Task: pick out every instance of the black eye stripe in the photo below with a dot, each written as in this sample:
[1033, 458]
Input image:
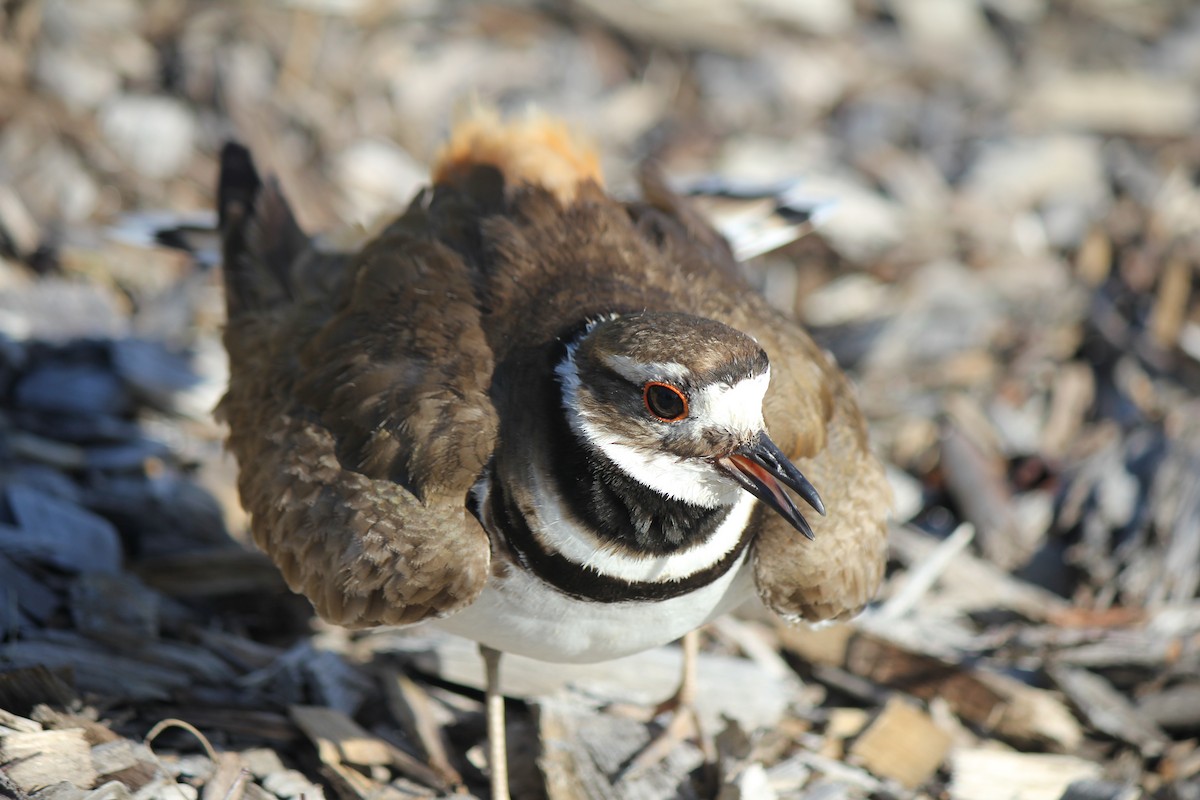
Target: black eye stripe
[665, 402]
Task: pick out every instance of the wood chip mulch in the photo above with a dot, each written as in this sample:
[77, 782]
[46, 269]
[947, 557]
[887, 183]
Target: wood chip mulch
[1010, 270]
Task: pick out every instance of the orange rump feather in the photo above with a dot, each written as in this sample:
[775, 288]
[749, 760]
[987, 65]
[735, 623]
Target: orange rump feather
[535, 150]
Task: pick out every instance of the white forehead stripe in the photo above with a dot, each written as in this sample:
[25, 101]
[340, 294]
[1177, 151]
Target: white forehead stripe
[736, 408]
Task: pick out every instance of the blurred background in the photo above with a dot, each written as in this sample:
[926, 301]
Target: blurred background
[1006, 262]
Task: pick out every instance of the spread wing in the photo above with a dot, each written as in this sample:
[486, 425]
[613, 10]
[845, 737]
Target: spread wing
[357, 409]
[811, 413]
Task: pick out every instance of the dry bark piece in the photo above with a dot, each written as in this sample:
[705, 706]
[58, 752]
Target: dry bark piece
[1124, 103]
[972, 583]
[234, 721]
[845, 723]
[131, 763]
[228, 781]
[59, 791]
[1108, 710]
[261, 761]
[36, 759]
[246, 654]
[167, 513]
[1180, 763]
[1011, 709]
[741, 775]
[158, 374]
[83, 389]
[991, 774]
[97, 669]
[411, 706]
[351, 783]
[18, 229]
[253, 791]
[1033, 716]
[95, 732]
[159, 787]
[340, 739]
[757, 641]
[1117, 647]
[825, 645]
[1073, 393]
[903, 744]
[1088, 789]
[16, 723]
[849, 780]
[922, 576]
[1171, 301]
[1170, 572]
[47, 452]
[115, 790]
[31, 595]
[1176, 708]
[290, 783]
[1094, 260]
[114, 608]
[60, 534]
[923, 676]
[333, 681]
[976, 480]
[583, 752]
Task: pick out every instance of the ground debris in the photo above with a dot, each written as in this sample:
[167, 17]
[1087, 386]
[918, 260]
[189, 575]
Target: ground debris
[903, 744]
[998, 205]
[986, 774]
[36, 759]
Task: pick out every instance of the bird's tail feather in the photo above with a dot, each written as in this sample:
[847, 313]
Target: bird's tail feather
[261, 239]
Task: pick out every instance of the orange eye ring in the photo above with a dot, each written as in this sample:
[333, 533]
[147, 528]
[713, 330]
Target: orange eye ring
[665, 402]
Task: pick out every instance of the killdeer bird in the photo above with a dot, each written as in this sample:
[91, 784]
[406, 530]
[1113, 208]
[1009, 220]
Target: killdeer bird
[557, 423]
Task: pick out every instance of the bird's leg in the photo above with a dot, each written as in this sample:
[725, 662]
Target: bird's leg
[684, 723]
[497, 744]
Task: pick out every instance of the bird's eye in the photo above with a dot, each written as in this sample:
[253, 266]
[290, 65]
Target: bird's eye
[664, 401]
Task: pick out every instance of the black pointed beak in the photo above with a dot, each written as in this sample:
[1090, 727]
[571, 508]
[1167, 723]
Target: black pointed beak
[763, 470]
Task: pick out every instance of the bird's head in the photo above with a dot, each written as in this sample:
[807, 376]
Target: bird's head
[676, 402]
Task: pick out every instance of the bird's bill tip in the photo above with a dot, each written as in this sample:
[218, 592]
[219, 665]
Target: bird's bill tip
[763, 470]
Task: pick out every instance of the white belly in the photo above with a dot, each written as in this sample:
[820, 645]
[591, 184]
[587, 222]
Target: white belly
[521, 614]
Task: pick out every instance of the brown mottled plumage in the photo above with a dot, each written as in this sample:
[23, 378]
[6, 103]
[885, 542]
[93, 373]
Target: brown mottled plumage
[362, 411]
[370, 392]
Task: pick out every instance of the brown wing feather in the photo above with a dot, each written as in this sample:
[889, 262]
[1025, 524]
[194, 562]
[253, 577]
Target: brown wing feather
[327, 359]
[811, 413]
[837, 573]
[400, 373]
